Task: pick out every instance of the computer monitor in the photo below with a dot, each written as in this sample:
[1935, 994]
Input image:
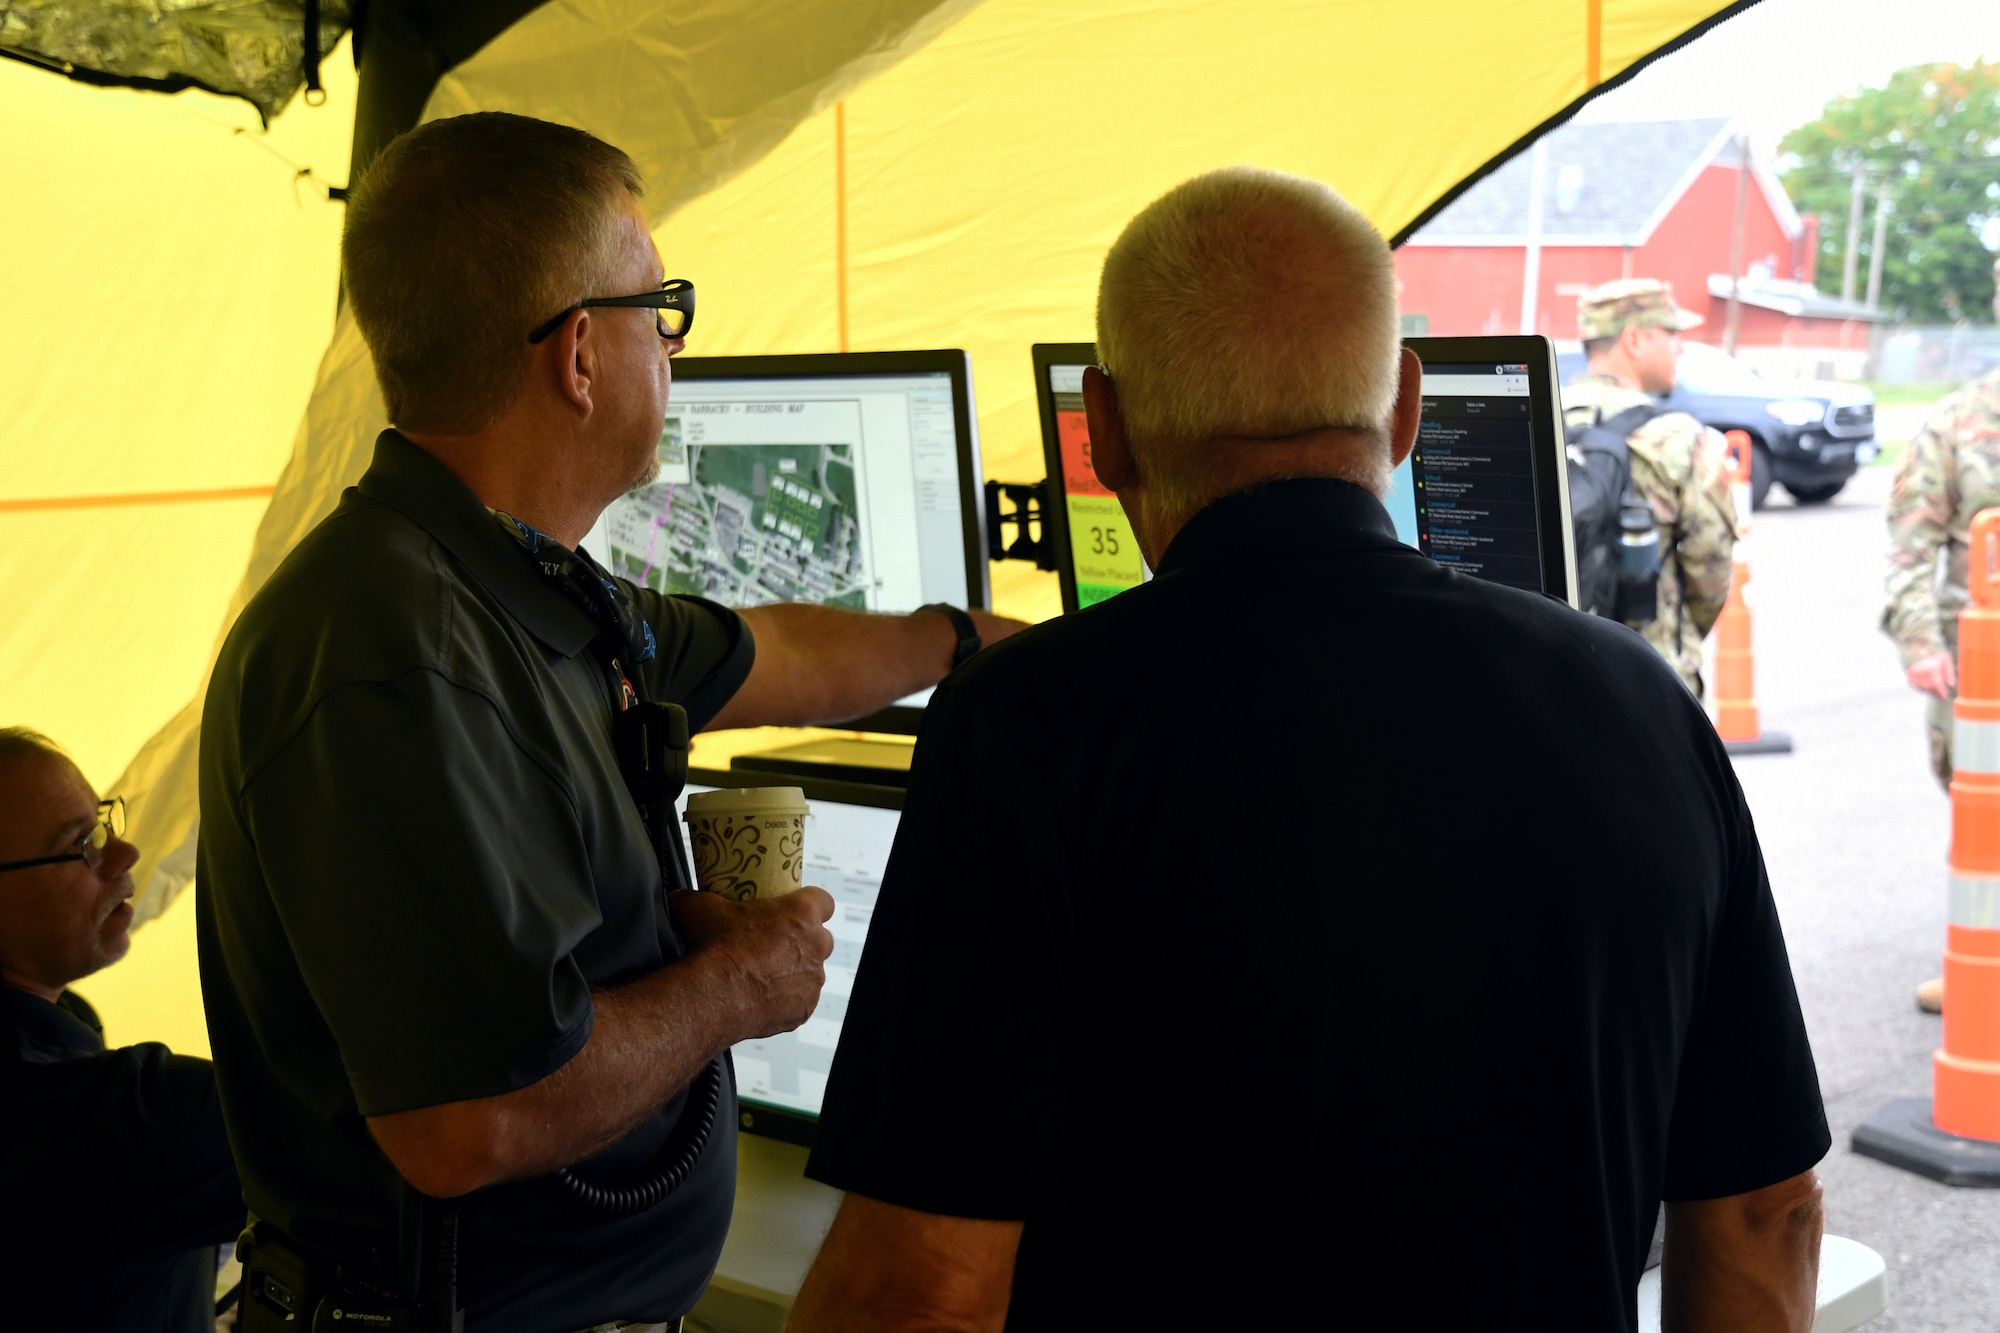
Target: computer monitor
[780, 1080]
[1491, 493]
[848, 479]
[1096, 556]
[1486, 489]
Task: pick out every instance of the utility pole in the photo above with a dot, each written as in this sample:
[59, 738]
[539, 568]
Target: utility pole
[1881, 244]
[1735, 319]
[1531, 265]
[1872, 368]
[1853, 262]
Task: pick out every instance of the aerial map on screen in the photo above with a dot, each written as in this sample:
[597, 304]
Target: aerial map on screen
[755, 502]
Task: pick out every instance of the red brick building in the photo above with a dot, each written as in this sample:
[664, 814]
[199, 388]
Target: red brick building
[1651, 199]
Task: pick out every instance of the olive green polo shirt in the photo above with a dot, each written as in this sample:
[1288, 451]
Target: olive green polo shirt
[417, 856]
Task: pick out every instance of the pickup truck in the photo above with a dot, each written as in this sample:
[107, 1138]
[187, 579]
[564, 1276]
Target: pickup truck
[1809, 436]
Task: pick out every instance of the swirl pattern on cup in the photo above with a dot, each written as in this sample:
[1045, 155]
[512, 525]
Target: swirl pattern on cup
[741, 856]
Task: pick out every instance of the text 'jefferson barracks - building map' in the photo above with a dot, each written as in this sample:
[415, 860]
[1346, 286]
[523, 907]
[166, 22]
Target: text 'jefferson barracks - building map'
[755, 502]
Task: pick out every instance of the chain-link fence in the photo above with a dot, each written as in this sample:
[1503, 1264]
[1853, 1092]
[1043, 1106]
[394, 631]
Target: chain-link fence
[1936, 353]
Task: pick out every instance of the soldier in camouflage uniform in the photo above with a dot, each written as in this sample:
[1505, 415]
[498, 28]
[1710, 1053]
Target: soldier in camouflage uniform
[1631, 332]
[1949, 472]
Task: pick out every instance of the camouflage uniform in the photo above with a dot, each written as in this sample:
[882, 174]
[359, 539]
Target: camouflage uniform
[1949, 473]
[1677, 464]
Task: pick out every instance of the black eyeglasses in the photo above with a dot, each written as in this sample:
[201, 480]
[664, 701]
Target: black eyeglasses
[673, 306]
[110, 824]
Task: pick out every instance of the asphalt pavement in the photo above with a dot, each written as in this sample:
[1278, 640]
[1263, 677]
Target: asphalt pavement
[1855, 832]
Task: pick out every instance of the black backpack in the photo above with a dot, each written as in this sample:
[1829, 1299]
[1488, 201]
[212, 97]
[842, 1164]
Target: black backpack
[1617, 543]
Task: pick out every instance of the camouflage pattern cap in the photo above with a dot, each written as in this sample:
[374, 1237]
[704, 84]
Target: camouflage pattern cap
[1608, 309]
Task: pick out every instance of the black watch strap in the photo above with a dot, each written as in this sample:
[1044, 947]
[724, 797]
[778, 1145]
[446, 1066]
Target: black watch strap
[969, 641]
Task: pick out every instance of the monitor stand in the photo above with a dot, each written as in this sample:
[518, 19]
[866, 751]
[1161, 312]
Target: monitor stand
[879, 763]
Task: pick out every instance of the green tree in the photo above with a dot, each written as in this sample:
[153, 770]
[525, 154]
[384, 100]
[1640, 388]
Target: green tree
[1932, 138]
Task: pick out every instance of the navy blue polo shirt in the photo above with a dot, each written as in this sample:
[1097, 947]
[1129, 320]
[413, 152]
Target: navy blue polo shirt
[115, 1177]
[417, 857]
[1315, 935]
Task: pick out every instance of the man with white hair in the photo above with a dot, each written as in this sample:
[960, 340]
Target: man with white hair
[1121, 1050]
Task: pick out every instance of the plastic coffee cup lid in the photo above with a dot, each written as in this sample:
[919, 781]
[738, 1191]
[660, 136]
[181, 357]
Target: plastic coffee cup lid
[747, 801]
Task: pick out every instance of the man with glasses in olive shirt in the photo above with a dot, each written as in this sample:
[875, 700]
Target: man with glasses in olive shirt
[115, 1177]
[439, 954]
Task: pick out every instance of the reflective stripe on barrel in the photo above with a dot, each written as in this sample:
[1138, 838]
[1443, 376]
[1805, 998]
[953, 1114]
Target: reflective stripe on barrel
[1975, 746]
[1975, 902]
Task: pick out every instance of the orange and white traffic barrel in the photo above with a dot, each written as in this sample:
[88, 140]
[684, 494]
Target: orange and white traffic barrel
[1736, 718]
[1966, 1070]
[1954, 1135]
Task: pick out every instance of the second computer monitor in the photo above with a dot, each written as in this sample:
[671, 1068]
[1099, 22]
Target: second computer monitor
[841, 479]
[1485, 490]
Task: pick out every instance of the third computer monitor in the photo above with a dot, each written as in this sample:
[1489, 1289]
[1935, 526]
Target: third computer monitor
[781, 1079]
[1485, 490]
[849, 479]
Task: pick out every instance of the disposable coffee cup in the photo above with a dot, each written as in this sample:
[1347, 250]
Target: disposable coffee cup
[748, 842]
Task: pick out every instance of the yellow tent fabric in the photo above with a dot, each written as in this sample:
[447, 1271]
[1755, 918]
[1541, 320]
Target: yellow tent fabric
[692, 143]
[872, 176]
[170, 289]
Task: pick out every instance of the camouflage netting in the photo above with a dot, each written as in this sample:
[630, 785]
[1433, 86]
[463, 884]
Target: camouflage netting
[253, 49]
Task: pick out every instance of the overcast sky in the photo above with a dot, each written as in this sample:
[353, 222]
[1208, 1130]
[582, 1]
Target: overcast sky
[1777, 64]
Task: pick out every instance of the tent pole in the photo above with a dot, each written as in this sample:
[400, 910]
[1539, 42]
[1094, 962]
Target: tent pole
[1593, 43]
[840, 217]
[402, 48]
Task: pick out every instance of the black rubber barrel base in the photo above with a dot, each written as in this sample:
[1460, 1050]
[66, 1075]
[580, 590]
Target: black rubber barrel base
[1902, 1134]
[1770, 742]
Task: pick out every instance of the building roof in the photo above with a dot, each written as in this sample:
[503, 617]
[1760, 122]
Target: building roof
[1792, 298]
[1603, 183]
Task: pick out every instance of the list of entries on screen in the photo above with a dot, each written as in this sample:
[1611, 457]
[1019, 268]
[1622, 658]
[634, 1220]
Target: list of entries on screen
[1474, 471]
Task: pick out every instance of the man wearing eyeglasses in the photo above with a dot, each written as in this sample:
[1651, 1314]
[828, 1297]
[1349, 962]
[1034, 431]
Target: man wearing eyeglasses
[438, 953]
[115, 1175]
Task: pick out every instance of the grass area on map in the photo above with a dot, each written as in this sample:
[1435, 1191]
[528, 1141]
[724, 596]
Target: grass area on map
[840, 480]
[733, 465]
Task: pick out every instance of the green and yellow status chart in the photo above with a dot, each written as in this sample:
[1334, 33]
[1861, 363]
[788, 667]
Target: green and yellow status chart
[1107, 559]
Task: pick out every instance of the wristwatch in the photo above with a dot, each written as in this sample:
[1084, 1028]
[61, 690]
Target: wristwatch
[969, 641]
